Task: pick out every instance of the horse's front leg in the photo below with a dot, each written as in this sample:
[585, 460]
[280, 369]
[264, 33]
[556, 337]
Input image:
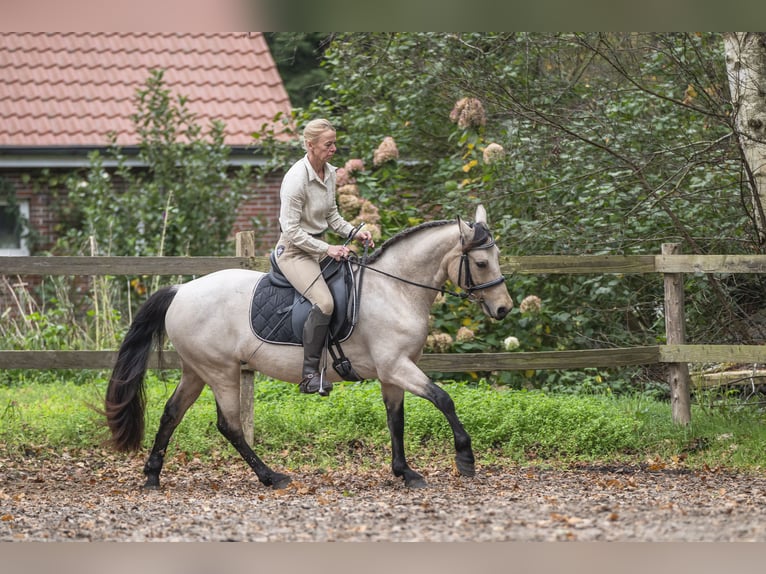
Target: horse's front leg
[393, 398]
[464, 459]
[409, 377]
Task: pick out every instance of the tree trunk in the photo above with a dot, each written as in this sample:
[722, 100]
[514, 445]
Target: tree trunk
[746, 67]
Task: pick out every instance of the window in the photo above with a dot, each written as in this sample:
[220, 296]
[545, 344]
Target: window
[13, 225]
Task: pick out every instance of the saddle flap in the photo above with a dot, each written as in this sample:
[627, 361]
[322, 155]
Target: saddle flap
[278, 311]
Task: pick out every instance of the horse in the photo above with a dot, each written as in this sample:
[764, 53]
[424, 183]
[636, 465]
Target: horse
[207, 322]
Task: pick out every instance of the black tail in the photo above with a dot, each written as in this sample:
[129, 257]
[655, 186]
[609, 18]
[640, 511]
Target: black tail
[125, 396]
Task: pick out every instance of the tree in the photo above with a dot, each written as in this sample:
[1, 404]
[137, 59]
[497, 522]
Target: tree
[746, 66]
[298, 56]
[606, 143]
[183, 202]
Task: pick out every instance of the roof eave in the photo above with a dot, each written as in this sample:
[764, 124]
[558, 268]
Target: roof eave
[72, 157]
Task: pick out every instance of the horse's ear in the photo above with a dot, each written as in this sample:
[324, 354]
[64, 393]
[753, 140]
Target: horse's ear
[481, 214]
[466, 232]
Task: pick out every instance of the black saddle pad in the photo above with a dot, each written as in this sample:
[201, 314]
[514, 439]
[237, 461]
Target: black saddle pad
[278, 312]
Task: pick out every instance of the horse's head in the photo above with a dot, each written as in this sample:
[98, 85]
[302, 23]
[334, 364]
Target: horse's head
[477, 271]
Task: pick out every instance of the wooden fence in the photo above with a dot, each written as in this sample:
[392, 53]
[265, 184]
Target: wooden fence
[670, 263]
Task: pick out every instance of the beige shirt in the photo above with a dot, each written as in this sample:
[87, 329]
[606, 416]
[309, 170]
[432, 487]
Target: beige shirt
[308, 207]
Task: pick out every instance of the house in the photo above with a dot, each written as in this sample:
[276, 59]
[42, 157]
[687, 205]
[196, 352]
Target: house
[61, 94]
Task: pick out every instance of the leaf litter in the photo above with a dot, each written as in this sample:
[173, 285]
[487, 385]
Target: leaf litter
[97, 496]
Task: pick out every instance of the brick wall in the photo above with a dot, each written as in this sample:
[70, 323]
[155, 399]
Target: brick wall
[259, 212]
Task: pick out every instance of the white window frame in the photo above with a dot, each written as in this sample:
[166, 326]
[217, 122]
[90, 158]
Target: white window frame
[23, 250]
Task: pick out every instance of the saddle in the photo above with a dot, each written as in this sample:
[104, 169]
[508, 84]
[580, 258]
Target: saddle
[278, 311]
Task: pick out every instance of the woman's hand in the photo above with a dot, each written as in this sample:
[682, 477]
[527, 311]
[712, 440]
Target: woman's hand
[365, 237]
[337, 252]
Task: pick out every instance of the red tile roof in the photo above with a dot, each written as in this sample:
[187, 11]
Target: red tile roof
[72, 89]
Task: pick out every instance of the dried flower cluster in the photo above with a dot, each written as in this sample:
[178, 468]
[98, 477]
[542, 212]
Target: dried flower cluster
[531, 304]
[468, 112]
[345, 175]
[387, 151]
[351, 204]
[439, 342]
[464, 334]
[493, 152]
[354, 165]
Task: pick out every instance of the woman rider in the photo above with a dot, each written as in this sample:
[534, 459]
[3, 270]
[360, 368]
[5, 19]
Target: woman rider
[308, 208]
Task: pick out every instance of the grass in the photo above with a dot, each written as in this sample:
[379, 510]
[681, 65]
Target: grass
[45, 414]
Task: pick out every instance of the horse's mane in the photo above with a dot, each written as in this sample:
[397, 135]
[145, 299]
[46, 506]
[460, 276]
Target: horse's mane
[403, 235]
[481, 234]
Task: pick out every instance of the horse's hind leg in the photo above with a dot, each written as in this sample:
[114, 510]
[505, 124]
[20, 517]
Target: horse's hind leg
[393, 398]
[230, 425]
[187, 391]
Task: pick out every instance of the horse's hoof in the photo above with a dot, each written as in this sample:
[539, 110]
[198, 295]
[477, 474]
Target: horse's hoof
[280, 481]
[413, 479]
[418, 482]
[151, 485]
[465, 468]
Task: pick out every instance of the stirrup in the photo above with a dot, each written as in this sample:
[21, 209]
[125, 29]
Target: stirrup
[315, 383]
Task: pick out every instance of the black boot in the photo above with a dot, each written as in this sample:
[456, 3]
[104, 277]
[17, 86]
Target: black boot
[314, 337]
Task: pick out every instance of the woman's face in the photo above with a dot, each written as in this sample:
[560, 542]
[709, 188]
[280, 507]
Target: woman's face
[324, 147]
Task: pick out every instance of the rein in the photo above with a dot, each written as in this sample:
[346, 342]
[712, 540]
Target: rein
[465, 269]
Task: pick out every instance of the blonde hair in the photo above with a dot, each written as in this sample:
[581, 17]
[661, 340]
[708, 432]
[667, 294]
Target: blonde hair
[314, 129]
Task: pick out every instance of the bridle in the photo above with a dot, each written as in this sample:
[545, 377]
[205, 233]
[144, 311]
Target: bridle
[465, 269]
[469, 289]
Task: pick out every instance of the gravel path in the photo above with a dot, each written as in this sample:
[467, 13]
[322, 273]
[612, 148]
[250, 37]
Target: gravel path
[101, 500]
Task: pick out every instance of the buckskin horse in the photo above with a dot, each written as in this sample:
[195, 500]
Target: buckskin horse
[208, 322]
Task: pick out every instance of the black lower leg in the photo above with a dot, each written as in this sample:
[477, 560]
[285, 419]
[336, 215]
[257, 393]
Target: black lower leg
[153, 466]
[237, 439]
[399, 465]
[464, 458]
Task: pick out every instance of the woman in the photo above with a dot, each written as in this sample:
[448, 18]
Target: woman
[308, 208]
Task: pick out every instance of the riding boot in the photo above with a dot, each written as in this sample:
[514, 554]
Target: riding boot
[314, 337]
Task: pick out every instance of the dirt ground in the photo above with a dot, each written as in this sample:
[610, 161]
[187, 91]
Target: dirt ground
[101, 499]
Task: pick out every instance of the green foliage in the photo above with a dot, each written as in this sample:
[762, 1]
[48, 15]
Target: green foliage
[297, 56]
[183, 202]
[291, 429]
[613, 144]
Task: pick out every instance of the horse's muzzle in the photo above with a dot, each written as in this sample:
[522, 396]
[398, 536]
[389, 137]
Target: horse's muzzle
[501, 312]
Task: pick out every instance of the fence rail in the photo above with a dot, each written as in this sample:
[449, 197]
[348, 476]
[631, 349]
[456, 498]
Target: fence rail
[669, 263]
[443, 362]
[528, 264]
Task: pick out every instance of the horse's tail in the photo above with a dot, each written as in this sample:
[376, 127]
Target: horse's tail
[125, 395]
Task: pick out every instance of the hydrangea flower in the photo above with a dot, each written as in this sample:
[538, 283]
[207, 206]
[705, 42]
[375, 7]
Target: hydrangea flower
[342, 177]
[369, 212]
[386, 151]
[349, 189]
[354, 165]
[511, 343]
[468, 112]
[531, 304]
[349, 204]
[493, 152]
[439, 342]
[464, 334]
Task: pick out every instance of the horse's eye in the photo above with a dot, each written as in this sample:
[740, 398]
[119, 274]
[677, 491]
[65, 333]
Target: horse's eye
[481, 264]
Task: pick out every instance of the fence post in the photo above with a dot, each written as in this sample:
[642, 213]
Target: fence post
[675, 330]
[245, 247]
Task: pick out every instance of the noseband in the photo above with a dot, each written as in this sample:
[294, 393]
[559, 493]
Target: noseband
[465, 267]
